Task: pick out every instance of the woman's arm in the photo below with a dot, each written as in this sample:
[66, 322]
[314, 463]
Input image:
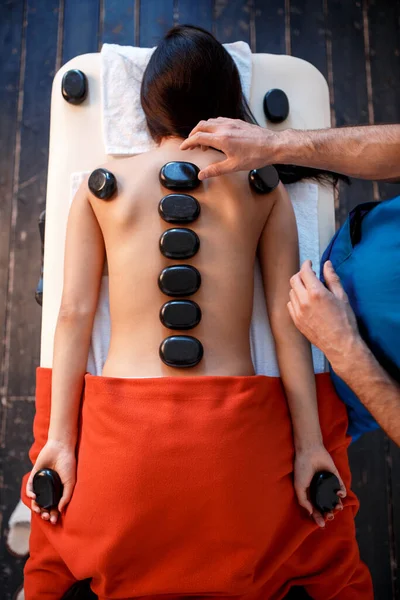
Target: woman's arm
[279, 259]
[83, 266]
[278, 252]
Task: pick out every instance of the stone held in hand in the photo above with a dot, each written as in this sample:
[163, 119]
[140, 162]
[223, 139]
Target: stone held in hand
[48, 488]
[323, 491]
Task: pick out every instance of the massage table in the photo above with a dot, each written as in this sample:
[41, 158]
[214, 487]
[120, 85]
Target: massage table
[77, 145]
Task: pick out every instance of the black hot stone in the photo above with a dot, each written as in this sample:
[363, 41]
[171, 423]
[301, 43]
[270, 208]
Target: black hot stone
[179, 175]
[48, 488]
[264, 180]
[102, 184]
[276, 106]
[179, 243]
[179, 280]
[179, 208]
[74, 86]
[180, 314]
[323, 491]
[181, 351]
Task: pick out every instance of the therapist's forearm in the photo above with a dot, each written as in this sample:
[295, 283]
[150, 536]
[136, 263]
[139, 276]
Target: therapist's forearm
[379, 393]
[71, 347]
[370, 152]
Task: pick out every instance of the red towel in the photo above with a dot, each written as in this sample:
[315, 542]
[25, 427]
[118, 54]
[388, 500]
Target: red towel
[185, 489]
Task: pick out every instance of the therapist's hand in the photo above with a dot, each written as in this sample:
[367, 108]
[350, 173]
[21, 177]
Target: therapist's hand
[246, 146]
[324, 316]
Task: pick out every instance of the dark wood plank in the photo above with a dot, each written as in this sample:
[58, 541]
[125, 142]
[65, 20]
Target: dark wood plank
[369, 471]
[345, 28]
[25, 314]
[307, 29]
[393, 458]
[384, 54]
[232, 21]
[270, 26]
[119, 22]
[156, 17]
[384, 41]
[81, 28]
[370, 476]
[198, 13]
[15, 464]
[11, 33]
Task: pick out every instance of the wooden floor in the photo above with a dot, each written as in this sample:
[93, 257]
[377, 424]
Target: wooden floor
[356, 45]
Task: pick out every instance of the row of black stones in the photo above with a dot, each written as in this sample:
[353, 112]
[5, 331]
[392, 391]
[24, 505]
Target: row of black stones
[179, 243]
[185, 208]
[179, 280]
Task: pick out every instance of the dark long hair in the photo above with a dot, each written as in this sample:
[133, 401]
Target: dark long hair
[191, 77]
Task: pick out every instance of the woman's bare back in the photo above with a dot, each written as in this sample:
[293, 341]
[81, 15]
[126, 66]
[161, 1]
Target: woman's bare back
[229, 226]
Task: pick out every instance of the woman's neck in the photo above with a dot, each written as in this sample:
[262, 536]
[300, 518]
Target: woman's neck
[171, 141]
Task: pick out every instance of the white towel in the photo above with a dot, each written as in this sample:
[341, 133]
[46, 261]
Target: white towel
[124, 124]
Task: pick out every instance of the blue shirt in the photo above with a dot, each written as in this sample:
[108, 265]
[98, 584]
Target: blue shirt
[365, 253]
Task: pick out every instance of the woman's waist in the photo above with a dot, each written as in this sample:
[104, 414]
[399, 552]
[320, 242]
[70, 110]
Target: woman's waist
[137, 354]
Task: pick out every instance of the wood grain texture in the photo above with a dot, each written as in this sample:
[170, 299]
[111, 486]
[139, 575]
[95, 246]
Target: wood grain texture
[156, 17]
[118, 25]
[307, 32]
[12, 51]
[346, 31]
[15, 463]
[383, 20]
[80, 28]
[11, 38]
[393, 460]
[232, 20]
[384, 54]
[199, 13]
[369, 471]
[25, 314]
[269, 26]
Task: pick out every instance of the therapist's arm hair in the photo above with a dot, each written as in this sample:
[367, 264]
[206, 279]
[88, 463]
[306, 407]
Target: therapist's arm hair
[325, 317]
[278, 252]
[83, 266]
[379, 393]
[366, 152]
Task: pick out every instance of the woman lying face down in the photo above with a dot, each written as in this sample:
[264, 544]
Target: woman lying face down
[190, 77]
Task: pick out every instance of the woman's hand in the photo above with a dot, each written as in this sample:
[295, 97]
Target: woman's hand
[60, 457]
[308, 462]
[245, 145]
